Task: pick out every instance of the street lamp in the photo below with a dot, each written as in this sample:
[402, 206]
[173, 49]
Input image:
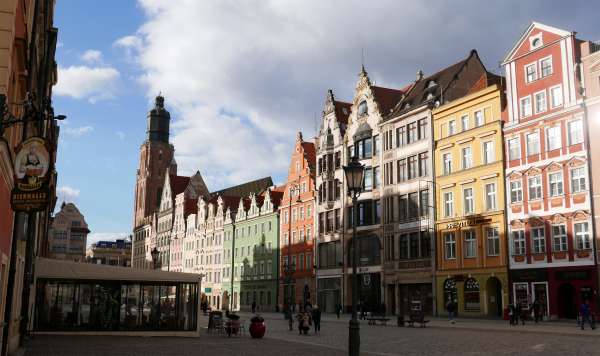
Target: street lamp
[354, 173]
[154, 253]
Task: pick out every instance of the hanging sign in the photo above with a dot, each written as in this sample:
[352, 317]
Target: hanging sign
[32, 165]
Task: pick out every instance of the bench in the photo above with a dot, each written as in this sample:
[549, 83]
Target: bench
[412, 320]
[382, 320]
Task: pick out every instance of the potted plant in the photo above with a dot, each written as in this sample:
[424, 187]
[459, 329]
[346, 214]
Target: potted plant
[257, 327]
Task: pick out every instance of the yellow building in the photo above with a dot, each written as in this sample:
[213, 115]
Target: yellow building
[471, 266]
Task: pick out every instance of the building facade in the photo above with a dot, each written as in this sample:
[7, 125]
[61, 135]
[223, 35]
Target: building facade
[67, 237]
[362, 139]
[590, 60]
[471, 236]
[329, 210]
[547, 176]
[297, 226]
[114, 253]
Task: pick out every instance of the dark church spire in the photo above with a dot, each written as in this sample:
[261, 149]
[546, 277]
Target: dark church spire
[158, 121]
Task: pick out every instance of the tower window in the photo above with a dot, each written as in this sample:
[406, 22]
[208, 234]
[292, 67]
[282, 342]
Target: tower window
[362, 108]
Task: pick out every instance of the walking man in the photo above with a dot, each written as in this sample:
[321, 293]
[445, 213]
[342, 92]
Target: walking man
[585, 312]
[316, 318]
[450, 307]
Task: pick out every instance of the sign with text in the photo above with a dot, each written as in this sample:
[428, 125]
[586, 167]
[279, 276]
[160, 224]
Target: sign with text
[467, 223]
[32, 164]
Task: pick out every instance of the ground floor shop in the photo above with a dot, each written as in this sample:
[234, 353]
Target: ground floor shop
[211, 297]
[476, 294]
[370, 293]
[261, 293]
[410, 286]
[329, 293]
[559, 291]
[297, 292]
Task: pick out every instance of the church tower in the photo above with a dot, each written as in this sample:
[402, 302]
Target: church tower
[156, 158]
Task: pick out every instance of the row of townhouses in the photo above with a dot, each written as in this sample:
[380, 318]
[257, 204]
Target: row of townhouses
[478, 189]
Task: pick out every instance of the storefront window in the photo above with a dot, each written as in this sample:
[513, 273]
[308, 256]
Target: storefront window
[521, 293]
[472, 295]
[450, 291]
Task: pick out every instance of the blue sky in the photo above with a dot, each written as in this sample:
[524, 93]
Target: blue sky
[241, 78]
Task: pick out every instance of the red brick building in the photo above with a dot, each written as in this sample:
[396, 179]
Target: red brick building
[552, 259]
[297, 229]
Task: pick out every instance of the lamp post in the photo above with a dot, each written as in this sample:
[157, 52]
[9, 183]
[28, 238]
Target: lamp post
[289, 267]
[354, 173]
[154, 253]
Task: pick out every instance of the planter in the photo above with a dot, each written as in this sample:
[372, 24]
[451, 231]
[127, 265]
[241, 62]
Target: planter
[257, 329]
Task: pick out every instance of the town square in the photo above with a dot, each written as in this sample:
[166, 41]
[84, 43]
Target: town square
[299, 177]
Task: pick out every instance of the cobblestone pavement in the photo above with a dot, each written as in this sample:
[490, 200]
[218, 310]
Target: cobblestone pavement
[464, 338]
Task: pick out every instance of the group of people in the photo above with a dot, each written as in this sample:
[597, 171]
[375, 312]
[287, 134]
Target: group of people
[307, 317]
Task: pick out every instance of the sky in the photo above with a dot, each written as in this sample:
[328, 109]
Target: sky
[240, 78]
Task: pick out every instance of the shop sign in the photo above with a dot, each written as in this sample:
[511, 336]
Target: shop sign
[32, 164]
[468, 222]
[207, 290]
[572, 275]
[529, 275]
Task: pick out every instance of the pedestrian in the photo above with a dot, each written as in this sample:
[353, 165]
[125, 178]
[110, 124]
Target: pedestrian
[253, 306]
[338, 310]
[450, 307]
[521, 313]
[512, 314]
[585, 313]
[535, 306]
[316, 318]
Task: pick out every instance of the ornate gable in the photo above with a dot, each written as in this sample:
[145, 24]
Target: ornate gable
[576, 162]
[515, 175]
[553, 167]
[533, 171]
[581, 215]
[558, 219]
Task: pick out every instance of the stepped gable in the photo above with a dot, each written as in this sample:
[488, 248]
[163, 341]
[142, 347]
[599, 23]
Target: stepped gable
[244, 190]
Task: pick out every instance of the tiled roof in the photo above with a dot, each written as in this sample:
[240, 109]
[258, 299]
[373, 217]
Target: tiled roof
[310, 153]
[340, 115]
[277, 196]
[386, 98]
[190, 207]
[243, 190]
[178, 183]
[437, 84]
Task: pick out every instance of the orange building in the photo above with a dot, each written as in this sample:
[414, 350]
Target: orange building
[296, 234]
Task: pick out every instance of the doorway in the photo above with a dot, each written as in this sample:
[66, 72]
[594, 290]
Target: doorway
[391, 298]
[494, 295]
[566, 301]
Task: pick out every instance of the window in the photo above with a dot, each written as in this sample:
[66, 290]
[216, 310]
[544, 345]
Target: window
[490, 196]
[556, 184]
[493, 241]
[467, 158]
[424, 203]
[488, 152]
[575, 132]
[448, 204]
[535, 187]
[368, 179]
[578, 180]
[531, 72]
[516, 191]
[412, 132]
[447, 159]
[362, 108]
[468, 201]
[556, 98]
[514, 148]
[546, 66]
[376, 181]
[464, 120]
[559, 238]
[451, 127]
[472, 298]
[582, 236]
[479, 118]
[376, 148]
[539, 240]
[540, 102]
[553, 138]
[423, 163]
[450, 244]
[400, 136]
[526, 107]
[402, 170]
[518, 242]
[470, 244]
[412, 167]
[533, 144]
[422, 129]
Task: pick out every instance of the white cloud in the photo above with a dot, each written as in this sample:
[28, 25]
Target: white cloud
[84, 82]
[241, 79]
[77, 131]
[66, 194]
[91, 56]
[120, 134]
[105, 236]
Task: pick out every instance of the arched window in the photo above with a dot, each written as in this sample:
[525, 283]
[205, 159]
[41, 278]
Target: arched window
[472, 295]
[362, 108]
[450, 293]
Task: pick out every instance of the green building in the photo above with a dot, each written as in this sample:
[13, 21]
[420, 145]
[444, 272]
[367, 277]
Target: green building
[252, 257]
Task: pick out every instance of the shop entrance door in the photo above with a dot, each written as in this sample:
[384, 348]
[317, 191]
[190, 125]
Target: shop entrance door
[391, 299]
[494, 295]
[566, 301]
[540, 294]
